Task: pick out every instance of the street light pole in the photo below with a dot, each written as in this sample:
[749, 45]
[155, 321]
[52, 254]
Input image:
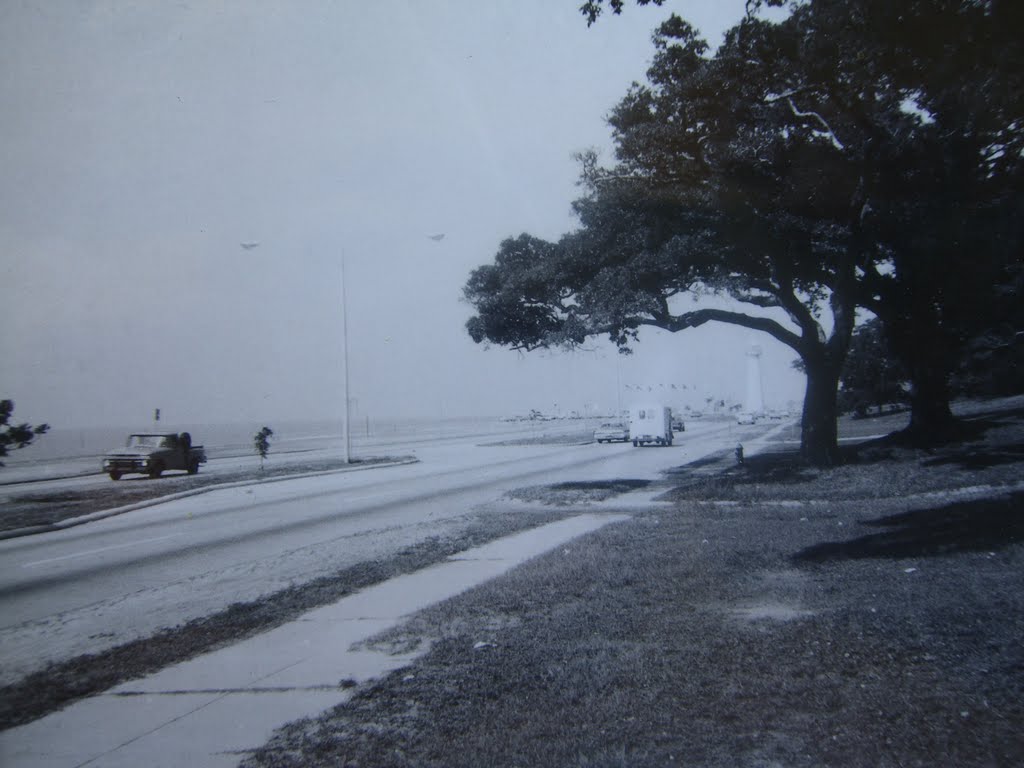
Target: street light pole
[344, 337]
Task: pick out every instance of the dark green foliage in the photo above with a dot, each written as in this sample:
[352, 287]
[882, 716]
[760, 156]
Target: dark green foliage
[929, 94]
[872, 377]
[261, 442]
[14, 436]
[859, 153]
[993, 361]
[516, 312]
[689, 209]
[593, 8]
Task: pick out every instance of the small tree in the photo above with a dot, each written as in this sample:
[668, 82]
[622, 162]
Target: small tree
[261, 442]
[19, 435]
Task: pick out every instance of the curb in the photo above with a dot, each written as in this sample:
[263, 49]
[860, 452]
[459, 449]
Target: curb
[72, 522]
[99, 458]
[90, 473]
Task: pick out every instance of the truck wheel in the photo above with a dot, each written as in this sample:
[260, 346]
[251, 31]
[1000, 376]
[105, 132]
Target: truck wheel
[193, 466]
[115, 475]
[156, 470]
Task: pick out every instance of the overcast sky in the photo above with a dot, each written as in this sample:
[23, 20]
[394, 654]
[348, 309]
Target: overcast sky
[182, 181]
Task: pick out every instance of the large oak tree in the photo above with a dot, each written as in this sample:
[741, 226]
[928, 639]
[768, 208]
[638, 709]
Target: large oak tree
[860, 153]
[720, 188]
[924, 103]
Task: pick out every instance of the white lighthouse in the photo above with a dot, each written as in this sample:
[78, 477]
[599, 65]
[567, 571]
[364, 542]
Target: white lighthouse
[755, 391]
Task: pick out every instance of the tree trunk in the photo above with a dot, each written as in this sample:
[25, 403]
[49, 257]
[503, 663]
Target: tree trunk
[931, 419]
[927, 353]
[819, 438]
[929, 349]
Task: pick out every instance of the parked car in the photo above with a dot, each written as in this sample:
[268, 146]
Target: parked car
[151, 454]
[611, 432]
[677, 424]
[745, 417]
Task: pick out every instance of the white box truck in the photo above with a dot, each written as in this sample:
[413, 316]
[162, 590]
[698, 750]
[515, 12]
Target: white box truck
[650, 424]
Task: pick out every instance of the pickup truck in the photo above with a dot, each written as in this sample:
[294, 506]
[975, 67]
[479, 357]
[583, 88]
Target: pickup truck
[151, 454]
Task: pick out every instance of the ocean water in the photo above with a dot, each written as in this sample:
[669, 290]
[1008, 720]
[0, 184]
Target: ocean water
[225, 440]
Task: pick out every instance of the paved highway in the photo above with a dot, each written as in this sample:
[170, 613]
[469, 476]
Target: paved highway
[101, 584]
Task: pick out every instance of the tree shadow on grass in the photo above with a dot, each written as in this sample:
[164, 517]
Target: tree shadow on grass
[962, 445]
[615, 486]
[774, 467]
[705, 461]
[980, 457]
[974, 526]
[777, 468]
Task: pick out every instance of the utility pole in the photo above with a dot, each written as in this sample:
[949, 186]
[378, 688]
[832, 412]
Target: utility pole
[344, 337]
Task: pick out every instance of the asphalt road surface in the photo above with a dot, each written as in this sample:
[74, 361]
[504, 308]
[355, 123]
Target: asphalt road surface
[97, 585]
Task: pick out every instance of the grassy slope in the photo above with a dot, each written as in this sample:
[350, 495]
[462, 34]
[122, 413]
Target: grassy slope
[769, 616]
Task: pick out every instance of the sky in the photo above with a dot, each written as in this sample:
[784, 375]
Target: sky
[182, 184]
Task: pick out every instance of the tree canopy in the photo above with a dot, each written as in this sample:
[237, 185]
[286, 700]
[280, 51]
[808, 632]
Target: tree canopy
[14, 436]
[594, 8]
[930, 92]
[838, 159]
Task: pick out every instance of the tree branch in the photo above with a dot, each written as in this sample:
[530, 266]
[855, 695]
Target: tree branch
[699, 317]
[827, 128]
[796, 309]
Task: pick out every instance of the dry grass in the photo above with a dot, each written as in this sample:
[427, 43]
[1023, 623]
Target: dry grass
[62, 683]
[774, 616]
[767, 615]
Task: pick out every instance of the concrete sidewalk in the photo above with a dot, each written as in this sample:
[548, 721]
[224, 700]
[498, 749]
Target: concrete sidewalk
[214, 709]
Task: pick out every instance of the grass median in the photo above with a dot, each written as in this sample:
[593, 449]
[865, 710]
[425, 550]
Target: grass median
[25, 506]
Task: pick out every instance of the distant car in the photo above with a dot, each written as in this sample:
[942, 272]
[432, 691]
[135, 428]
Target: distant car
[611, 432]
[678, 425]
[775, 415]
[745, 417]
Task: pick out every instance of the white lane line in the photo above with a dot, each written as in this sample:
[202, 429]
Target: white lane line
[101, 549]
